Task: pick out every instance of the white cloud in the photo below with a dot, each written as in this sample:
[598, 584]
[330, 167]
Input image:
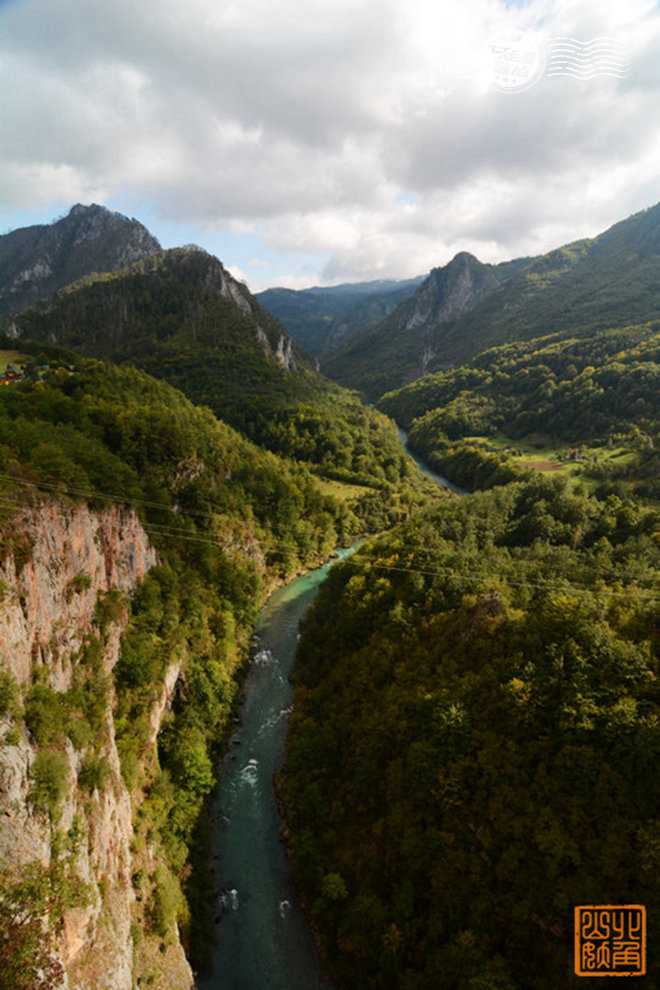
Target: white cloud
[344, 127]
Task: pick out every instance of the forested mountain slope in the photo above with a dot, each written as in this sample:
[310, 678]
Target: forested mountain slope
[610, 281]
[474, 747]
[600, 390]
[182, 317]
[37, 261]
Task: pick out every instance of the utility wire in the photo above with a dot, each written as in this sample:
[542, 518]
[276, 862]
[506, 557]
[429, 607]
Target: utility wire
[175, 533]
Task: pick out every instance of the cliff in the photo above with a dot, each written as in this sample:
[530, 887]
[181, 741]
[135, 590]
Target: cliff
[37, 261]
[409, 341]
[62, 568]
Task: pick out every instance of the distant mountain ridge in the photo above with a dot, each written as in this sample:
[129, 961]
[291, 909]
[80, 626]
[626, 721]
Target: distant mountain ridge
[323, 317]
[37, 261]
[405, 344]
[590, 285]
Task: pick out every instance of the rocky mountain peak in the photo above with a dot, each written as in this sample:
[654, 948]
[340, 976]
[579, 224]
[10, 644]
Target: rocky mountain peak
[37, 261]
[446, 294]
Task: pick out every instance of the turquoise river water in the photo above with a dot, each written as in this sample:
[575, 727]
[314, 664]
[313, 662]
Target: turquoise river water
[263, 939]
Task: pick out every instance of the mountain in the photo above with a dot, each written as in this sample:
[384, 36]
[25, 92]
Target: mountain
[610, 281]
[37, 261]
[180, 316]
[319, 319]
[139, 537]
[404, 345]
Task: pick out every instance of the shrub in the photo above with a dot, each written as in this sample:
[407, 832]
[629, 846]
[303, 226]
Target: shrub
[166, 901]
[79, 731]
[50, 773]
[94, 773]
[198, 771]
[9, 702]
[45, 715]
[19, 546]
[81, 582]
[110, 607]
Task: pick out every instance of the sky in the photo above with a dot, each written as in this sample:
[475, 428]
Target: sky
[314, 142]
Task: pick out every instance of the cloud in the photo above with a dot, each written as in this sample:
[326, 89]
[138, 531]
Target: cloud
[365, 131]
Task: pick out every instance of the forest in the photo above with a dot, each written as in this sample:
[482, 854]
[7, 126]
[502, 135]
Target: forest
[595, 391]
[474, 747]
[230, 521]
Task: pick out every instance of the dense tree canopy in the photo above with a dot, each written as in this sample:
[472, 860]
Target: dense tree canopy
[474, 749]
[595, 390]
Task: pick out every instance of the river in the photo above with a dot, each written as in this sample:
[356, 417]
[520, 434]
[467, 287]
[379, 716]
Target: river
[264, 942]
[263, 936]
[433, 475]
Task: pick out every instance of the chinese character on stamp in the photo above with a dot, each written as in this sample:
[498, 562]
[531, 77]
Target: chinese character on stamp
[610, 940]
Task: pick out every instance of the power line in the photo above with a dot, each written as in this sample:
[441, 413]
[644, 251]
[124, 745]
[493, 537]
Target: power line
[272, 551]
[94, 493]
[467, 578]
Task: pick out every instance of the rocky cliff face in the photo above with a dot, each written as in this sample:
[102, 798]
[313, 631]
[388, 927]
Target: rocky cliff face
[37, 261]
[66, 556]
[408, 341]
[58, 563]
[445, 295]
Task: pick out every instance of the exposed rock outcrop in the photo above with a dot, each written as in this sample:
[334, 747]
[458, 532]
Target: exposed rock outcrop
[59, 560]
[408, 341]
[37, 261]
[284, 353]
[66, 555]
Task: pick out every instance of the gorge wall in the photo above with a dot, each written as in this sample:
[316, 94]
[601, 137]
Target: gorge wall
[61, 566]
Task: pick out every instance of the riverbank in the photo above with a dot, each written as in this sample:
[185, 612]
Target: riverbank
[264, 938]
[425, 469]
[248, 837]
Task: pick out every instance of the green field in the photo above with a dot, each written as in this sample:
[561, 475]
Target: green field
[342, 489]
[540, 453]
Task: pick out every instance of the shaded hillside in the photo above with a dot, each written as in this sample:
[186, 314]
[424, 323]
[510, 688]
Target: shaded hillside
[37, 261]
[319, 319]
[473, 749]
[404, 345]
[462, 309]
[182, 317]
[126, 511]
[577, 290]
